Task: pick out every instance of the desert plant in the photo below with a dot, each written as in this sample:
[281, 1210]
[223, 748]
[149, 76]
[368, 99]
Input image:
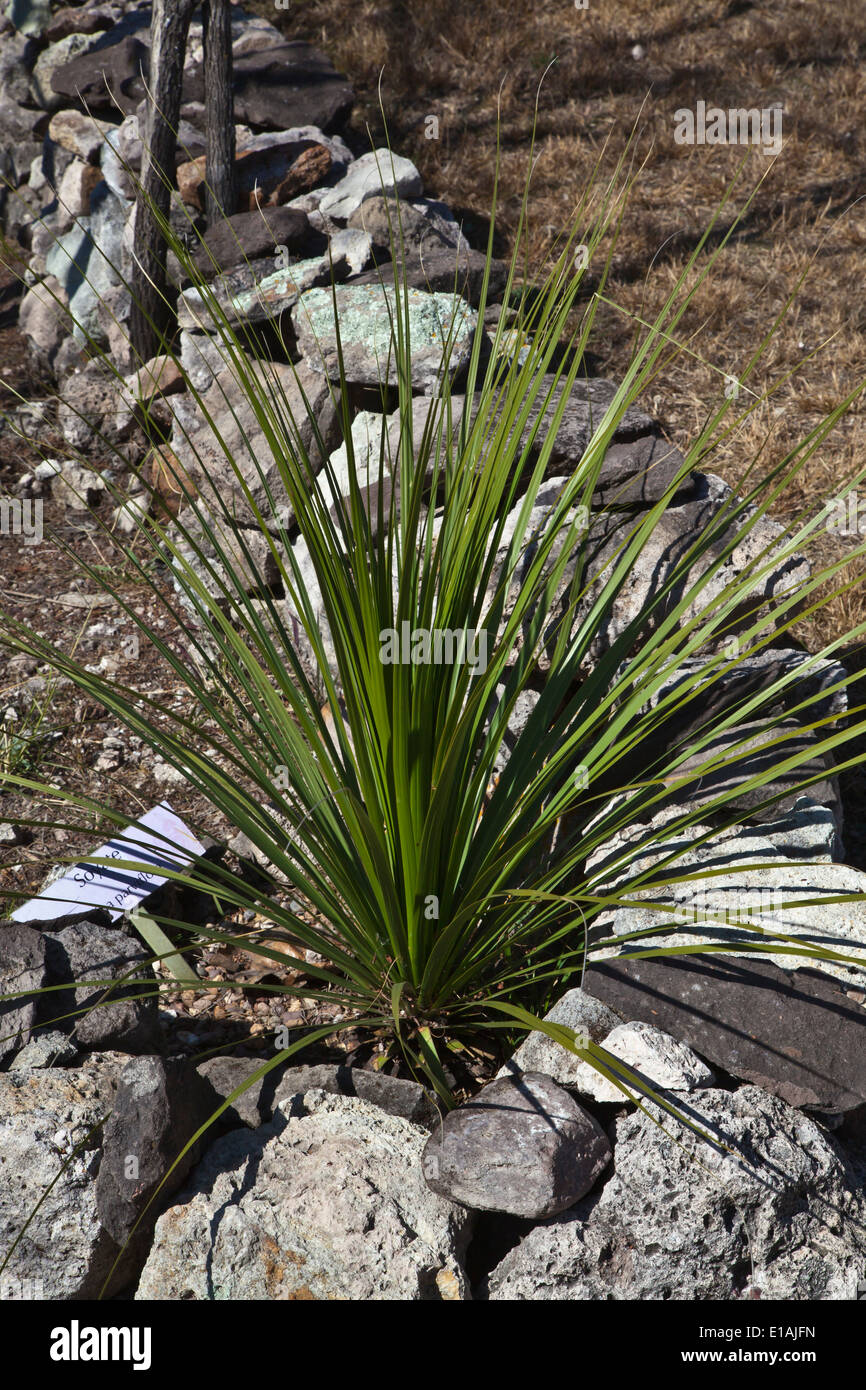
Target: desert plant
[449, 898]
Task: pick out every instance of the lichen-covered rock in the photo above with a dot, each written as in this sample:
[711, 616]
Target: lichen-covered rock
[366, 315]
[327, 1202]
[685, 1220]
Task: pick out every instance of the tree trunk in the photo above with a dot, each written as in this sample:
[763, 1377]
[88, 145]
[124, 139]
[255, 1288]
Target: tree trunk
[151, 313]
[220, 194]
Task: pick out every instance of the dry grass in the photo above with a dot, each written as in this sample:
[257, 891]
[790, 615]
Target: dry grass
[464, 64]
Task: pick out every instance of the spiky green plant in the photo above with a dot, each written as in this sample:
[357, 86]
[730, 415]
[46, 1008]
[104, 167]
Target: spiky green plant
[446, 902]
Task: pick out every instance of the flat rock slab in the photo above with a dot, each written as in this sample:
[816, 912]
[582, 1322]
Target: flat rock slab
[686, 1221]
[327, 1202]
[367, 332]
[795, 1033]
[522, 1146]
[247, 236]
[257, 291]
[257, 1104]
[726, 765]
[107, 76]
[631, 475]
[284, 85]
[763, 890]
[442, 269]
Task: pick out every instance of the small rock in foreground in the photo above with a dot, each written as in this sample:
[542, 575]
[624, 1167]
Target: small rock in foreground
[524, 1147]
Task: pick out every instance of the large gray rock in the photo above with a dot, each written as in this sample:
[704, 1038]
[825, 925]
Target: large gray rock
[16, 61]
[51, 61]
[665, 552]
[104, 73]
[637, 473]
[159, 1106]
[29, 16]
[127, 1020]
[656, 1057]
[92, 413]
[43, 319]
[87, 259]
[245, 558]
[249, 32]
[687, 1221]
[367, 333]
[20, 139]
[377, 174]
[422, 224]
[815, 683]
[44, 1115]
[249, 235]
[743, 897]
[403, 1099]
[796, 1033]
[524, 1147]
[578, 1010]
[23, 969]
[205, 459]
[202, 357]
[90, 18]
[663, 1062]
[327, 1202]
[49, 1048]
[256, 1105]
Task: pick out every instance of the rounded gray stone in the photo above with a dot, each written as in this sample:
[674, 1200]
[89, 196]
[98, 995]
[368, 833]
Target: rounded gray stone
[522, 1146]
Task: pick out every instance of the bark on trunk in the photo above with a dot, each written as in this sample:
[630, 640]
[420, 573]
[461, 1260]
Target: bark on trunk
[220, 194]
[151, 314]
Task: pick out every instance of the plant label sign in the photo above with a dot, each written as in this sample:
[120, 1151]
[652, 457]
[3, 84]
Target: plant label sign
[158, 840]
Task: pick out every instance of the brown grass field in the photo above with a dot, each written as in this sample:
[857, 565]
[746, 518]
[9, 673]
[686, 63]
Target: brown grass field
[620, 64]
